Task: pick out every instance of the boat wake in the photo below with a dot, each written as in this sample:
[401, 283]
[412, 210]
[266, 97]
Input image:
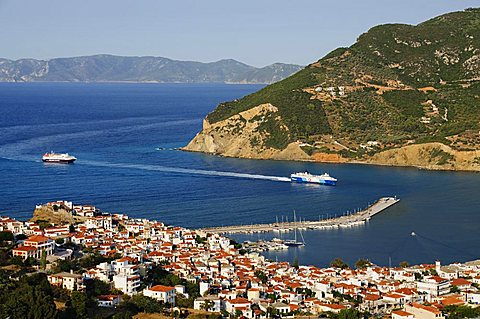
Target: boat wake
[178, 170]
[160, 168]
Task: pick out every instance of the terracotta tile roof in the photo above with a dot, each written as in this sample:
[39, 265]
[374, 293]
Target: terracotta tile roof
[162, 288]
[460, 282]
[370, 297]
[452, 300]
[238, 301]
[333, 306]
[37, 239]
[393, 295]
[24, 248]
[436, 278]
[427, 308]
[401, 313]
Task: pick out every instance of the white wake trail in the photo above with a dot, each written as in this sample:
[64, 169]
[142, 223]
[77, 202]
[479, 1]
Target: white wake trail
[160, 168]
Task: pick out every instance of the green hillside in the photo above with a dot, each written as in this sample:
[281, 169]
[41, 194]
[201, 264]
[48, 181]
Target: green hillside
[397, 84]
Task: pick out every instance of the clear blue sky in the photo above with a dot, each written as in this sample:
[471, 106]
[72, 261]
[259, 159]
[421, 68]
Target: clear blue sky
[257, 32]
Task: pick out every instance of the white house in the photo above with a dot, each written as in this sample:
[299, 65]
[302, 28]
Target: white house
[34, 247]
[281, 308]
[335, 308]
[433, 286]
[216, 303]
[473, 297]
[423, 312]
[447, 272]
[161, 293]
[69, 281]
[402, 314]
[109, 300]
[240, 304]
[128, 284]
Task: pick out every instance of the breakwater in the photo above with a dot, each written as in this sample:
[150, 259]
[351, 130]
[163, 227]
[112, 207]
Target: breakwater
[347, 220]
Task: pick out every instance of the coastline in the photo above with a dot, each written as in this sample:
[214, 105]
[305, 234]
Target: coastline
[419, 167]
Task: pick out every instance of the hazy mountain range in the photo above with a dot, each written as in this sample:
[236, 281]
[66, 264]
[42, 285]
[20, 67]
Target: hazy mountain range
[110, 68]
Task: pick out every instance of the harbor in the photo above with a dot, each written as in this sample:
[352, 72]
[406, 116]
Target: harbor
[344, 221]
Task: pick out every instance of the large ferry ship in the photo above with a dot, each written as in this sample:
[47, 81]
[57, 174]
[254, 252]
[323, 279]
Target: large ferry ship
[306, 177]
[63, 158]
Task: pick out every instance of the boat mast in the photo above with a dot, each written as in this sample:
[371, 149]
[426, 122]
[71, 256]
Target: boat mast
[295, 225]
[303, 239]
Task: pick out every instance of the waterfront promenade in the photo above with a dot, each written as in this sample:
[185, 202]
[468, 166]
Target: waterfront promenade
[346, 220]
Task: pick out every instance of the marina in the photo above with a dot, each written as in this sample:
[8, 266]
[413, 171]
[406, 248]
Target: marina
[344, 221]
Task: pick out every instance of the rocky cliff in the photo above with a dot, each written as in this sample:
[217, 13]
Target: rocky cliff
[242, 135]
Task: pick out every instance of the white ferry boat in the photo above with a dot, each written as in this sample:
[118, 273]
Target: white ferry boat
[63, 158]
[306, 177]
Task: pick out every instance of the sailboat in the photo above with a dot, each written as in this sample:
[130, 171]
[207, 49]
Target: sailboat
[295, 242]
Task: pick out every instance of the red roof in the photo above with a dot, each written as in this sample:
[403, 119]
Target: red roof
[238, 301]
[371, 297]
[460, 282]
[25, 248]
[37, 239]
[427, 308]
[402, 313]
[452, 300]
[334, 306]
[293, 307]
[437, 278]
[393, 295]
[162, 288]
[108, 297]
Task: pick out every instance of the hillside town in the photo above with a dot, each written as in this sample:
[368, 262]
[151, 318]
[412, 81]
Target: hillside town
[227, 278]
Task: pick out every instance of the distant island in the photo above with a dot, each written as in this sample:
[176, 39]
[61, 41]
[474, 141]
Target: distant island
[111, 68]
[401, 95]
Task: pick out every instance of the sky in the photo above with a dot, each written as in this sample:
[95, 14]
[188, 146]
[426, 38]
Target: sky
[256, 32]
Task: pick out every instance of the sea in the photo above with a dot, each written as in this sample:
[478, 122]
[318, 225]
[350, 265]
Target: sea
[126, 138]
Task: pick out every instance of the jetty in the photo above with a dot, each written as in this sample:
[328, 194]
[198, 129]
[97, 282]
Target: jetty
[344, 221]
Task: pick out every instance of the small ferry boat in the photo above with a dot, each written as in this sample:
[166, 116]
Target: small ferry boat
[63, 158]
[306, 177]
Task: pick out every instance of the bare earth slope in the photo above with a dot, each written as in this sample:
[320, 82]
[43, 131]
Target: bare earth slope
[240, 136]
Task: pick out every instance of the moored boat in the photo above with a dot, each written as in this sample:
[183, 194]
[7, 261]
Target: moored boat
[294, 242]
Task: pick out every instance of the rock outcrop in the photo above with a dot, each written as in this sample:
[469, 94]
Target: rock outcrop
[59, 216]
[241, 136]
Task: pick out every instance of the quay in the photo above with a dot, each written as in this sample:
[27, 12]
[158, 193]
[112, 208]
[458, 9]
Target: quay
[347, 220]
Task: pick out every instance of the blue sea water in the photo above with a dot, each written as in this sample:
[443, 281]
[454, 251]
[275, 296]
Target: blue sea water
[115, 130]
